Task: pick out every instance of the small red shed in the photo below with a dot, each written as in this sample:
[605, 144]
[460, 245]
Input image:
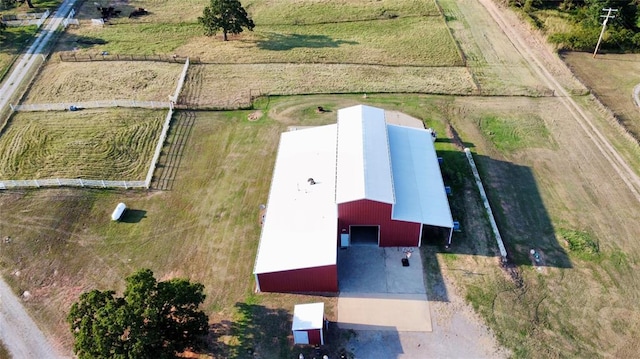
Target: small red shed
[308, 324]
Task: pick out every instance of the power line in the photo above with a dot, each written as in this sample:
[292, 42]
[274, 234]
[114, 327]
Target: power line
[604, 25]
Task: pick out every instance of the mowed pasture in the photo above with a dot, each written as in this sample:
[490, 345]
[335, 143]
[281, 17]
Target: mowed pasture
[612, 78]
[205, 228]
[551, 191]
[95, 81]
[108, 144]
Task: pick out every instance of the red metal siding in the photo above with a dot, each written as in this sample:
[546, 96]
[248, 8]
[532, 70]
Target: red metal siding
[314, 336]
[370, 213]
[317, 279]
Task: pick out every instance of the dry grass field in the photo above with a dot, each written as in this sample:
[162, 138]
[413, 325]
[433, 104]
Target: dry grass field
[612, 78]
[204, 88]
[557, 196]
[95, 144]
[102, 80]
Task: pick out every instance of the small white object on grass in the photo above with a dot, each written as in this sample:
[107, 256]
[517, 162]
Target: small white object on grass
[117, 213]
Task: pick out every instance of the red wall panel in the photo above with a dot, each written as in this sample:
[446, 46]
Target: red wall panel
[371, 213]
[314, 336]
[317, 279]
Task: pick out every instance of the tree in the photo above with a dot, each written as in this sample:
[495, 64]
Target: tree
[151, 320]
[226, 15]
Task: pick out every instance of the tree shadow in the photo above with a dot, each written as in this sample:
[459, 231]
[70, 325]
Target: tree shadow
[15, 39]
[284, 42]
[70, 42]
[518, 209]
[261, 332]
[133, 216]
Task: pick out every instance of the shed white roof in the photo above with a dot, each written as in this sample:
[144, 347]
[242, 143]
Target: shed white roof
[308, 316]
[419, 189]
[300, 226]
[363, 168]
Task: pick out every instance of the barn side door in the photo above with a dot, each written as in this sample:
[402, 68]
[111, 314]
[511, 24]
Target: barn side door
[300, 337]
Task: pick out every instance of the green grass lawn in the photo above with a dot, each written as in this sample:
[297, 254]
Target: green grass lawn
[93, 144]
[12, 41]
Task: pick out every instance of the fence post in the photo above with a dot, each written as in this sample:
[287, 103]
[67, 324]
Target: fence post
[125, 184]
[81, 184]
[103, 185]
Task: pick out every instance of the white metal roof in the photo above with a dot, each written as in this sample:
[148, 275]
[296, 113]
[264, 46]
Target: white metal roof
[419, 189]
[363, 168]
[308, 316]
[301, 220]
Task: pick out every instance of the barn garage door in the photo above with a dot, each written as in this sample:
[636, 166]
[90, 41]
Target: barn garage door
[365, 235]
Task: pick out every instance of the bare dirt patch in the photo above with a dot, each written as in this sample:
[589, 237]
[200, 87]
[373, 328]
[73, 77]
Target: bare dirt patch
[104, 80]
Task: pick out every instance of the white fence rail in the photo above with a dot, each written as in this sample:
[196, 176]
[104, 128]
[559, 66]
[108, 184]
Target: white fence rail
[26, 19]
[61, 106]
[165, 126]
[78, 182]
[70, 182]
[70, 20]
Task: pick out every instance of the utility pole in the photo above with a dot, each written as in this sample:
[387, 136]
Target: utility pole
[604, 25]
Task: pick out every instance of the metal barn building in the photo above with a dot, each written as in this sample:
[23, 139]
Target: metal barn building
[376, 182]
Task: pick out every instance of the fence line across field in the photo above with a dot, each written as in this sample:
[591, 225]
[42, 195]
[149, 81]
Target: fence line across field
[165, 126]
[70, 182]
[79, 182]
[61, 106]
[26, 19]
[73, 57]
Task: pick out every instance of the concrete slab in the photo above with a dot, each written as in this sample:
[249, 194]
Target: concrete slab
[378, 293]
[371, 269]
[394, 312]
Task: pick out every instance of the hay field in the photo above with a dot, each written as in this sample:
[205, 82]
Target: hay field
[400, 41]
[612, 78]
[95, 144]
[104, 80]
[303, 12]
[227, 86]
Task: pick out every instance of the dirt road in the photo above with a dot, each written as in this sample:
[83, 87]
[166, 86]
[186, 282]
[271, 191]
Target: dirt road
[19, 333]
[541, 61]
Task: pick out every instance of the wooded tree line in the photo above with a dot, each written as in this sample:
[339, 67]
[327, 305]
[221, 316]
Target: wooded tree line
[622, 33]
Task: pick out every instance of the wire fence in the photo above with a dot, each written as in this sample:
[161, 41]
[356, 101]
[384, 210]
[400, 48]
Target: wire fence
[70, 182]
[60, 106]
[73, 57]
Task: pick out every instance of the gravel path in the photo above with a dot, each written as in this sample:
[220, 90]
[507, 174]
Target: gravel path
[19, 333]
[543, 62]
